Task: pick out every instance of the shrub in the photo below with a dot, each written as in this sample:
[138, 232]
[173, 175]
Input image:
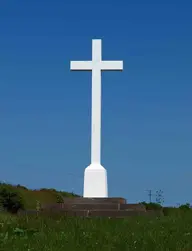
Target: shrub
[152, 206]
[69, 195]
[20, 186]
[60, 198]
[185, 206]
[10, 199]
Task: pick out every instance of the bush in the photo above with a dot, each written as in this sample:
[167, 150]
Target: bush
[185, 207]
[10, 199]
[20, 186]
[151, 206]
[69, 195]
[60, 198]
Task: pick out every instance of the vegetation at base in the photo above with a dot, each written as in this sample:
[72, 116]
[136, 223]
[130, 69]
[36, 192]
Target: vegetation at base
[34, 233]
[56, 232]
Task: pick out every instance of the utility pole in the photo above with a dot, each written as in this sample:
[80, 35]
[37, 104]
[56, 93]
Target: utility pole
[158, 196]
[150, 195]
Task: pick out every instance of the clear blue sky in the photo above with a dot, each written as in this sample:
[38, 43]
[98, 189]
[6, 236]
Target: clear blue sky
[45, 118]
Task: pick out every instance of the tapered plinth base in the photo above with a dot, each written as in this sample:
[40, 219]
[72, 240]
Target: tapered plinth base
[95, 182]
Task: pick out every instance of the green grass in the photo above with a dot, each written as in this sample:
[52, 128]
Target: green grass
[69, 234]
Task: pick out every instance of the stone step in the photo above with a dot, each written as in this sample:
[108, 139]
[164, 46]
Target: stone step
[136, 207]
[95, 213]
[77, 200]
[81, 200]
[99, 206]
[99, 213]
[104, 206]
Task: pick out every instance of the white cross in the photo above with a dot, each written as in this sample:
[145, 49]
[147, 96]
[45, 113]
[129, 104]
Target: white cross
[96, 66]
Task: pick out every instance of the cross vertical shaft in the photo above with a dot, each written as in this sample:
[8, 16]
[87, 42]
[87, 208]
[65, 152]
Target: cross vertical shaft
[96, 103]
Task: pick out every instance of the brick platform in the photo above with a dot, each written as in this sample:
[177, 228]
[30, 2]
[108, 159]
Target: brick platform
[97, 207]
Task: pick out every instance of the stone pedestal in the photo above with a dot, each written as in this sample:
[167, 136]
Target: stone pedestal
[95, 182]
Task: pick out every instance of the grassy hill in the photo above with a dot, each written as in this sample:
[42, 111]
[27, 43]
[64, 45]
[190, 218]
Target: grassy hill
[44, 195]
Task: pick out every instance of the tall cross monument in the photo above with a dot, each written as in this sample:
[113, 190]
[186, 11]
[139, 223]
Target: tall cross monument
[95, 175]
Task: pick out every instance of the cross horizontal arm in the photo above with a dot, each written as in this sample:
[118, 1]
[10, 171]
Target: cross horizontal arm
[81, 65]
[112, 65]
